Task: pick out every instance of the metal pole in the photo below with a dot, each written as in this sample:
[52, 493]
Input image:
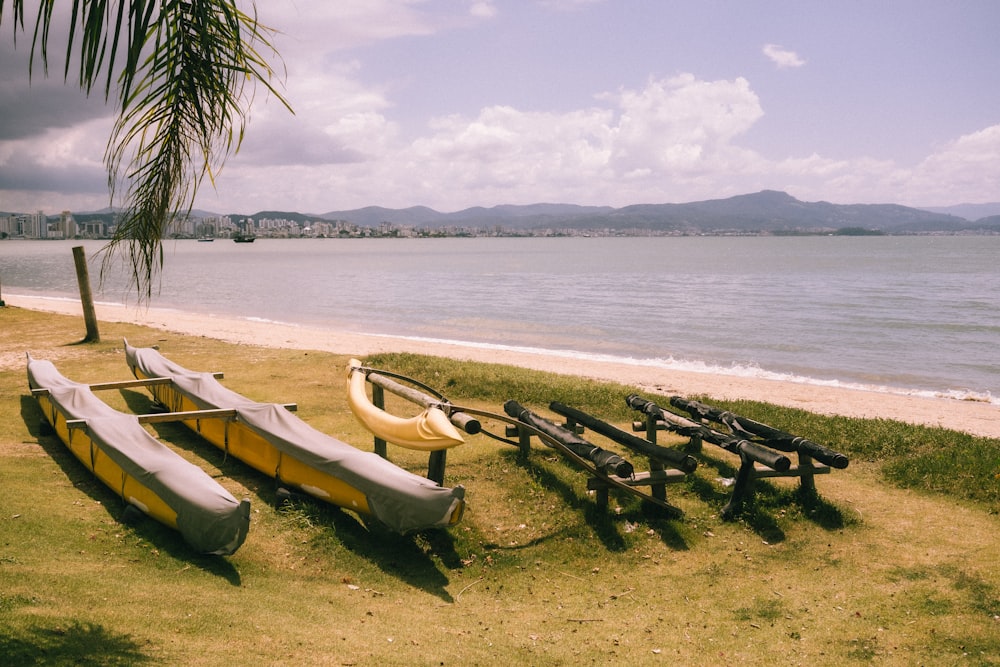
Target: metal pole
[86, 298]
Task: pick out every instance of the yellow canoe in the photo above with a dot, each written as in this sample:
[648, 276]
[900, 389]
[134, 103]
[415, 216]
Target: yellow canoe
[274, 441]
[144, 472]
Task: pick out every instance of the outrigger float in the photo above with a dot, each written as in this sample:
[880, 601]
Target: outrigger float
[269, 438]
[428, 431]
[144, 472]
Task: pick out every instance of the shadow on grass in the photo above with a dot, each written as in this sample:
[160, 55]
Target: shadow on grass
[75, 643]
[164, 538]
[606, 525]
[409, 558]
[766, 502]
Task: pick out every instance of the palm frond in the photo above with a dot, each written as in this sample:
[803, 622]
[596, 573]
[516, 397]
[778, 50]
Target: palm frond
[184, 72]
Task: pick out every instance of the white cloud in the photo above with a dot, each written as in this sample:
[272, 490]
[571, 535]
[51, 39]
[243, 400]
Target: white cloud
[341, 25]
[336, 120]
[968, 164]
[675, 139]
[681, 123]
[782, 57]
[483, 10]
[671, 139]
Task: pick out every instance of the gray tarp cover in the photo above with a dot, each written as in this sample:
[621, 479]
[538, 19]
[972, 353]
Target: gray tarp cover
[208, 516]
[399, 499]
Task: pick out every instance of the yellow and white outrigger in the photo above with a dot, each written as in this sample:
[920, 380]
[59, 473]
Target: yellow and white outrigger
[144, 472]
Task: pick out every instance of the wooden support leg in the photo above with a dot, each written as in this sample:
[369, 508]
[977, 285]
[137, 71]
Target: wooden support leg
[435, 466]
[807, 481]
[742, 490]
[657, 490]
[524, 441]
[378, 400]
[602, 497]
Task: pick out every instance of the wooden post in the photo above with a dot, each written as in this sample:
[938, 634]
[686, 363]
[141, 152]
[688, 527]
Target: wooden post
[807, 483]
[86, 298]
[378, 400]
[523, 442]
[435, 465]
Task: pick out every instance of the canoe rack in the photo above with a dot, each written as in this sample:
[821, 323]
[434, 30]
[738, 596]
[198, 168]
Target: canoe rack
[521, 424]
[606, 469]
[227, 414]
[761, 448]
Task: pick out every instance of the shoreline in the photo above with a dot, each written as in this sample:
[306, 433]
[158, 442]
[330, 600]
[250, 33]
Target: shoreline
[974, 417]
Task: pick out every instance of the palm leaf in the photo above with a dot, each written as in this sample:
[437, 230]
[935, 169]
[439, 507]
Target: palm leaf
[184, 72]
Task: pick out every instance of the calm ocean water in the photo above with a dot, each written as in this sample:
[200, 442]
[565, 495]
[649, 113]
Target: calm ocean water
[908, 314]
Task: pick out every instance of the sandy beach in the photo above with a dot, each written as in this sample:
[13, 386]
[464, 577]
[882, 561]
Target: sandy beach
[978, 418]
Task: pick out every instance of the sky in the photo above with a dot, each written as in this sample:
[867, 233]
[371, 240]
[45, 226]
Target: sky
[458, 103]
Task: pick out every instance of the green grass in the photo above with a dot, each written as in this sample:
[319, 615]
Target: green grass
[894, 560]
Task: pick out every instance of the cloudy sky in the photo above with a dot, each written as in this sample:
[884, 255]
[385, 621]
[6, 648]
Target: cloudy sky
[457, 103]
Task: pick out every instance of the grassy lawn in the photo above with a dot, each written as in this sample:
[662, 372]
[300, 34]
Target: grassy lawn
[895, 561]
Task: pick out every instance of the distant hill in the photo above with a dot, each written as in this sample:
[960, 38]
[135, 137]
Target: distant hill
[968, 211]
[372, 216]
[521, 217]
[992, 222]
[766, 211]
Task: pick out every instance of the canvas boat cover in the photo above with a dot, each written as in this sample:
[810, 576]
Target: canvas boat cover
[209, 518]
[399, 499]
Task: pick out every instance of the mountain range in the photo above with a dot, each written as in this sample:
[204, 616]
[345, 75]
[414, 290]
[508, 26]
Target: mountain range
[766, 211]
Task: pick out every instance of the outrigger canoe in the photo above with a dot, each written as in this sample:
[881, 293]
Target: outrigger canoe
[144, 472]
[274, 441]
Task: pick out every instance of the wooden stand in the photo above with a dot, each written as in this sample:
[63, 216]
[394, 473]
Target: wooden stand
[655, 480]
[757, 461]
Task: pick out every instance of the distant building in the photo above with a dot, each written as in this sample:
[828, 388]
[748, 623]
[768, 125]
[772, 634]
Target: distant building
[66, 227]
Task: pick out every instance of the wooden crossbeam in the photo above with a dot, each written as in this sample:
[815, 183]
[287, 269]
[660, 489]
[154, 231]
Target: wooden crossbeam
[794, 471]
[147, 382]
[641, 479]
[121, 384]
[160, 417]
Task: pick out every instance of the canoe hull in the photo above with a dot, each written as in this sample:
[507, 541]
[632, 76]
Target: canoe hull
[139, 469]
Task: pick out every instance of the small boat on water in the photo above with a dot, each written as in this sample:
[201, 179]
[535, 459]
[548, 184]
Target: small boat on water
[240, 237]
[269, 438]
[144, 472]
